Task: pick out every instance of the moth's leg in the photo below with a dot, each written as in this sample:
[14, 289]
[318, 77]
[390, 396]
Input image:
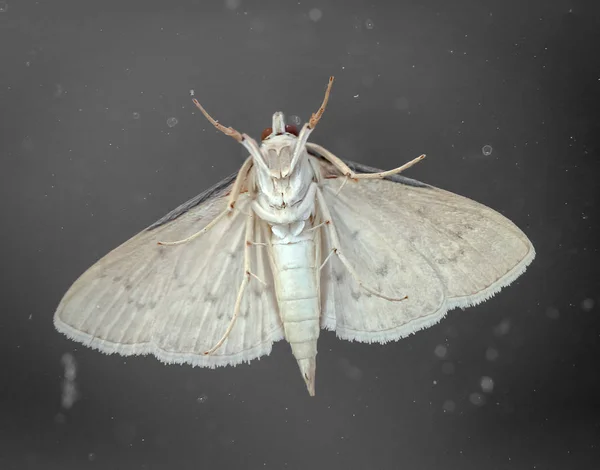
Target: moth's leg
[245, 281]
[348, 173]
[235, 192]
[197, 234]
[238, 183]
[383, 174]
[324, 210]
[317, 241]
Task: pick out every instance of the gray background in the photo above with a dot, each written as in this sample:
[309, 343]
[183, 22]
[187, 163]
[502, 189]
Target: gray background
[81, 172]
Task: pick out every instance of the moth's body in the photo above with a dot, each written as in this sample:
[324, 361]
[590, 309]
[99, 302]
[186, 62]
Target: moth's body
[296, 284]
[286, 248]
[285, 200]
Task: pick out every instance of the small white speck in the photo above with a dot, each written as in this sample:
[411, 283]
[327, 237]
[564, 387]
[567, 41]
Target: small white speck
[491, 354]
[502, 328]
[201, 399]
[440, 351]
[315, 14]
[232, 4]
[487, 384]
[477, 399]
[587, 305]
[552, 313]
[449, 406]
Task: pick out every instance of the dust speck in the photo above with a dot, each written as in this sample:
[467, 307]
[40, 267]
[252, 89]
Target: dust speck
[315, 14]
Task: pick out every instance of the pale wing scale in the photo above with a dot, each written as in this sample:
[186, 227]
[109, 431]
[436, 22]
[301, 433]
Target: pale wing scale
[177, 301]
[475, 249]
[393, 268]
[470, 249]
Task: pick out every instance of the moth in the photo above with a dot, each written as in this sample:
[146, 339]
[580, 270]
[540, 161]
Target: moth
[297, 241]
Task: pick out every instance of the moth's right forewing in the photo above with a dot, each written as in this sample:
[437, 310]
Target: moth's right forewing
[176, 301]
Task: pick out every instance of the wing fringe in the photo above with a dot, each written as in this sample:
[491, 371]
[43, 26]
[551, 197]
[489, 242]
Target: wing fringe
[166, 357]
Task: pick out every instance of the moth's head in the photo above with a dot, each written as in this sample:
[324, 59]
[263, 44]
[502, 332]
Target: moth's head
[278, 145]
[279, 131]
[282, 146]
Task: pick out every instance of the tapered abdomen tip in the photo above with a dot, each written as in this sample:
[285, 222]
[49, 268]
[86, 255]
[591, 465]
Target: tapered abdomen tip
[308, 368]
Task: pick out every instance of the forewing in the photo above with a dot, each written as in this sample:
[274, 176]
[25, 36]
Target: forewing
[393, 268]
[177, 301]
[469, 250]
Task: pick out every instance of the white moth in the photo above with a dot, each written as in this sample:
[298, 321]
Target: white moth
[299, 240]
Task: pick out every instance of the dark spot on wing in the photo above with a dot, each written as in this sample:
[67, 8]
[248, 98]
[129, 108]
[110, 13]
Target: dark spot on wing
[128, 286]
[210, 298]
[117, 278]
[457, 235]
[140, 305]
[257, 289]
[355, 295]
[338, 276]
[354, 235]
[161, 250]
[152, 305]
[383, 270]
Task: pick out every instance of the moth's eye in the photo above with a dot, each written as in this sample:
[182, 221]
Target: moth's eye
[266, 133]
[290, 129]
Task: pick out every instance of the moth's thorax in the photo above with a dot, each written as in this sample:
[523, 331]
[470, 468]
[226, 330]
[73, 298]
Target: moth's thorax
[281, 190]
[282, 186]
[278, 151]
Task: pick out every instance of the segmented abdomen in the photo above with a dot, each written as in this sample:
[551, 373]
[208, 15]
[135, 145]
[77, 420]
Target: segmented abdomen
[296, 277]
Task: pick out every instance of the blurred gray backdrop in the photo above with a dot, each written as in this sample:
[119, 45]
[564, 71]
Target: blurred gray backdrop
[99, 138]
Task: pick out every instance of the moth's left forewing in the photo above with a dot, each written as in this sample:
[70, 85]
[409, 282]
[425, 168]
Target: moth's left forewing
[475, 249]
[444, 251]
[383, 262]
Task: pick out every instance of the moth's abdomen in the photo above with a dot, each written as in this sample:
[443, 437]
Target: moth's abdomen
[296, 277]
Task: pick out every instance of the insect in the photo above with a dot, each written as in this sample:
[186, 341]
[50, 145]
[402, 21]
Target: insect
[297, 241]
